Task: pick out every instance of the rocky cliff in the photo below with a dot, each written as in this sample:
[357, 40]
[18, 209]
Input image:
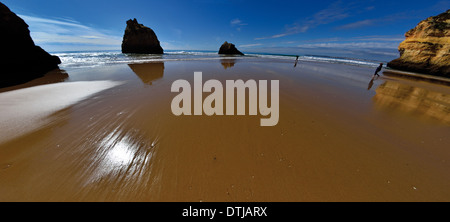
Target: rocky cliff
[229, 49]
[426, 47]
[140, 39]
[20, 59]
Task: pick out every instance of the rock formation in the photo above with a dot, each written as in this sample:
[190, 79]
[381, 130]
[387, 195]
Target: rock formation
[426, 47]
[229, 49]
[140, 39]
[21, 60]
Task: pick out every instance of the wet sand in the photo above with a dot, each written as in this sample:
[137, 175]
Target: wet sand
[340, 137]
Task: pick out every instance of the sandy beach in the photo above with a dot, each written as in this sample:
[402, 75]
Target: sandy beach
[108, 134]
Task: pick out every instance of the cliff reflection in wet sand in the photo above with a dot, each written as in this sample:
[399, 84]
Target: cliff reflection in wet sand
[54, 76]
[227, 63]
[148, 72]
[414, 100]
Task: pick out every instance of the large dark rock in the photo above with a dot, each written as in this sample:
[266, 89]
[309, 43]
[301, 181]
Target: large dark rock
[229, 49]
[20, 59]
[140, 39]
[426, 47]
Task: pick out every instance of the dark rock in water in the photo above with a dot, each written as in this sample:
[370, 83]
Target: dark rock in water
[426, 47]
[140, 39]
[20, 60]
[229, 49]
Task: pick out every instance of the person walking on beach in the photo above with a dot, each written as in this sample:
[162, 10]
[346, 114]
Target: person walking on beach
[296, 60]
[378, 69]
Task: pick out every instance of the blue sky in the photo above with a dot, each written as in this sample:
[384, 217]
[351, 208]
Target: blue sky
[253, 26]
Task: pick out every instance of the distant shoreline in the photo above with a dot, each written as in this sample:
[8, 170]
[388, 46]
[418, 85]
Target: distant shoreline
[98, 58]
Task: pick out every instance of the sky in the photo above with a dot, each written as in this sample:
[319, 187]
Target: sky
[279, 26]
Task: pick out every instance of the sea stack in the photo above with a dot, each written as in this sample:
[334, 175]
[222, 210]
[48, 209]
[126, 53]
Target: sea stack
[21, 60]
[140, 39]
[229, 49]
[426, 47]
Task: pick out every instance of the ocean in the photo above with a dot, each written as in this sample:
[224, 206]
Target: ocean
[85, 59]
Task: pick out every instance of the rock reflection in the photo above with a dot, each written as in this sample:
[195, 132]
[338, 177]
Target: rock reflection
[413, 100]
[227, 63]
[54, 76]
[148, 72]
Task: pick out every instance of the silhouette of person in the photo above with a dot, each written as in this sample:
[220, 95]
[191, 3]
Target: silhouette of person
[378, 69]
[296, 60]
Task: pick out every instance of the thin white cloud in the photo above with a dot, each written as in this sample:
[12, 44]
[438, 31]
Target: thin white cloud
[56, 38]
[376, 45]
[333, 39]
[237, 23]
[375, 21]
[374, 38]
[32, 19]
[90, 37]
[334, 12]
[381, 38]
[250, 45]
[273, 36]
[56, 31]
[358, 24]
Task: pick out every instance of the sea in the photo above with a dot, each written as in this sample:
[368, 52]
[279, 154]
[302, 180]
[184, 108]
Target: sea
[84, 59]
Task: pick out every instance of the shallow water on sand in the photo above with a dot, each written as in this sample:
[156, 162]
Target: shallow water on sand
[340, 137]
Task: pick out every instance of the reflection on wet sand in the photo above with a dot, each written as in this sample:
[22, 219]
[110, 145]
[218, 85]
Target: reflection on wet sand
[125, 144]
[54, 76]
[110, 144]
[227, 63]
[148, 72]
[414, 100]
[370, 84]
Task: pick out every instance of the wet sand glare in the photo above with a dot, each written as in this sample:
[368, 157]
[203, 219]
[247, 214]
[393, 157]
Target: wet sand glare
[336, 140]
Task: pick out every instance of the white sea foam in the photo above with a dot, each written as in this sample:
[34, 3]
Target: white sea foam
[92, 59]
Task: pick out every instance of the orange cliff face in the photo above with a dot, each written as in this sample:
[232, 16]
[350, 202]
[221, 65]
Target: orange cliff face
[426, 47]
